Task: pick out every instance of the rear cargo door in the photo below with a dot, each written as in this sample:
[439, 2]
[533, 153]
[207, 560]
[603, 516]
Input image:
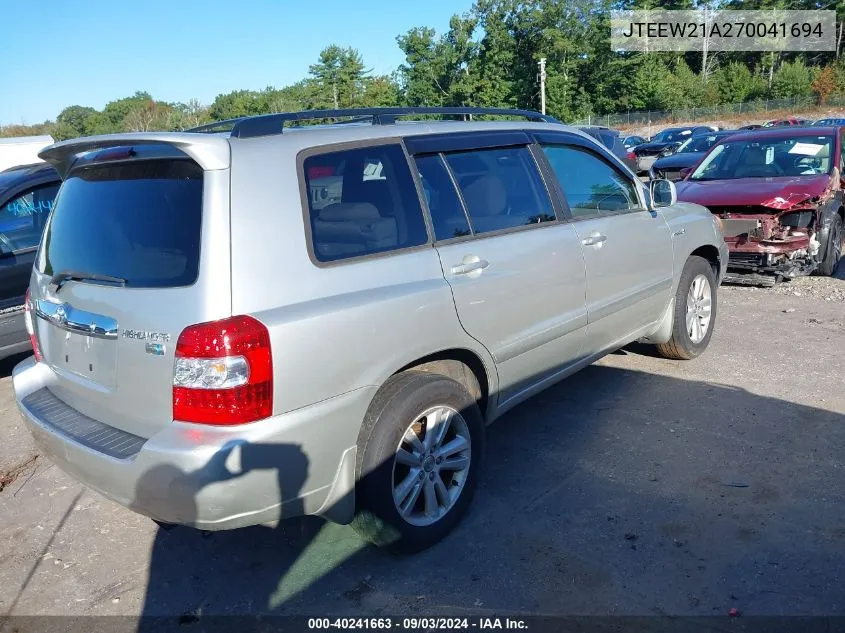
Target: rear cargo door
[136, 250]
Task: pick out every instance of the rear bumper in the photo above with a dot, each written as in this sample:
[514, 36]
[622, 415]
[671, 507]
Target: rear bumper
[644, 163]
[211, 478]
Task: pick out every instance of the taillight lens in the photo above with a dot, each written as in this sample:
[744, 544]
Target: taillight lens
[30, 326]
[632, 156]
[223, 372]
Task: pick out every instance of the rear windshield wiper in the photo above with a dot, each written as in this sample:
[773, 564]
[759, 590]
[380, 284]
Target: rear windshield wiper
[61, 278]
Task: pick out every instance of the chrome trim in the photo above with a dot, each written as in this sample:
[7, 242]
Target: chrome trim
[68, 318]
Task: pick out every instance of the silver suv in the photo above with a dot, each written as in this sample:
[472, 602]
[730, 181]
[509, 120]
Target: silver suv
[234, 327]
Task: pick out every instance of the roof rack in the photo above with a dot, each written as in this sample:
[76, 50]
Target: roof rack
[267, 124]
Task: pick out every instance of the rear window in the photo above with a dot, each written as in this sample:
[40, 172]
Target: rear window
[362, 202]
[136, 221]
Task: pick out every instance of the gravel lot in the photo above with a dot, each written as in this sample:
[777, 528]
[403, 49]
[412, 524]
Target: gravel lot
[639, 486]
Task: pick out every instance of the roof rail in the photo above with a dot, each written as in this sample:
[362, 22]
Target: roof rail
[267, 124]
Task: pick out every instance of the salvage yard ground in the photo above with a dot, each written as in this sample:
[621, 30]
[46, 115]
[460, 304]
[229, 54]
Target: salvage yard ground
[639, 486]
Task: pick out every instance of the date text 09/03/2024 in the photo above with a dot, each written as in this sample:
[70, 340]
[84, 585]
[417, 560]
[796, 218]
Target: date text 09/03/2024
[417, 624]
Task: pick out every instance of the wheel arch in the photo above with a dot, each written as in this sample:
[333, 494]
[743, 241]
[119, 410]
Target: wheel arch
[711, 254]
[461, 365]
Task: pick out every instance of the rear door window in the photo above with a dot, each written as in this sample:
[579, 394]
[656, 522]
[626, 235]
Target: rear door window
[501, 188]
[362, 201]
[139, 222]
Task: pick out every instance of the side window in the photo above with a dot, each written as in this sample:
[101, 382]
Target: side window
[501, 188]
[447, 213]
[591, 186]
[362, 202]
[22, 218]
[607, 139]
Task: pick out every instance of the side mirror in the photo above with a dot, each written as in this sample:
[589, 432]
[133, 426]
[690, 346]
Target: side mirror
[663, 193]
[685, 171]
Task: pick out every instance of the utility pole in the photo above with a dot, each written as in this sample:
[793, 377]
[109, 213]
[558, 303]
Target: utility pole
[542, 64]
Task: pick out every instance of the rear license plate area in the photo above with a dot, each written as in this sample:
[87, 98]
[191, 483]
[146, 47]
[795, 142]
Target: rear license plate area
[88, 357]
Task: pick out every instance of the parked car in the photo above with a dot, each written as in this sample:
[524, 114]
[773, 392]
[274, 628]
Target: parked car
[835, 121]
[611, 140]
[26, 198]
[630, 142]
[687, 155]
[670, 138]
[779, 195]
[21, 150]
[212, 348]
[784, 122]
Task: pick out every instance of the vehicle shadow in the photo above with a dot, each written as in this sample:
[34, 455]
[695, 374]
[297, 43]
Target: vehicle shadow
[614, 492]
[8, 363]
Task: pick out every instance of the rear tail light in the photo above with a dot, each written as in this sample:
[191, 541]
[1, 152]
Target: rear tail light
[632, 156]
[30, 326]
[223, 372]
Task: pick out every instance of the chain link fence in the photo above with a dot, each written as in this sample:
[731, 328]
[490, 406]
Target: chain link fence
[754, 109]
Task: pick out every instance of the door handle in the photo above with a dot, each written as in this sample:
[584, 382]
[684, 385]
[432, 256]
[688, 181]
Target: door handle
[594, 239]
[470, 266]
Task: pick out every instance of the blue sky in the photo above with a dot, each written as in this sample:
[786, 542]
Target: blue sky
[87, 53]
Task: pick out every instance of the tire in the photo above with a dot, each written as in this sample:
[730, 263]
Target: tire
[833, 250]
[402, 402]
[682, 346]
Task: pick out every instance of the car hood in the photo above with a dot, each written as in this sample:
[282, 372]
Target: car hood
[776, 193]
[676, 161]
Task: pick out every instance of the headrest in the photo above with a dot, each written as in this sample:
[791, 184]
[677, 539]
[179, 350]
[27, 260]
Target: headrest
[349, 211]
[485, 196]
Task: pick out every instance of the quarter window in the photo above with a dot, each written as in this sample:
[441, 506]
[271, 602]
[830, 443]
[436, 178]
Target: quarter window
[591, 186]
[22, 218]
[501, 188]
[362, 202]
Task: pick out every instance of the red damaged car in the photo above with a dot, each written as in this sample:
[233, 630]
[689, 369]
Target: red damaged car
[780, 195]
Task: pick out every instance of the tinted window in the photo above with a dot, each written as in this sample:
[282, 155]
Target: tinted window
[501, 188]
[608, 139]
[591, 186]
[23, 217]
[670, 136]
[362, 201]
[697, 144]
[447, 213]
[136, 221]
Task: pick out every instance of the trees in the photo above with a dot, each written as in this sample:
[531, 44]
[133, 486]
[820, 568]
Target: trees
[339, 77]
[736, 83]
[73, 121]
[792, 79]
[439, 71]
[824, 84]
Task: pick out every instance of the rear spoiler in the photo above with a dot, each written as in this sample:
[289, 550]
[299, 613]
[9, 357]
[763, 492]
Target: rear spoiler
[210, 152]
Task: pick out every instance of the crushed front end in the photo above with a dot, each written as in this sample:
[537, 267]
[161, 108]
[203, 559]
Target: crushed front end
[768, 243]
